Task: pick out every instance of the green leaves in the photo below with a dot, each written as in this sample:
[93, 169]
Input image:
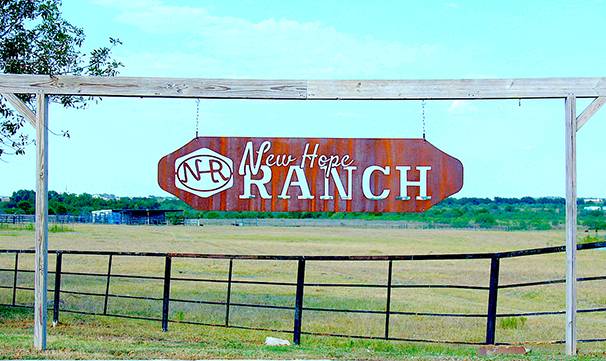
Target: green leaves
[36, 39]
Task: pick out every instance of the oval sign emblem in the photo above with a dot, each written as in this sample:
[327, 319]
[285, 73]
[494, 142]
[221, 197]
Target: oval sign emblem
[204, 172]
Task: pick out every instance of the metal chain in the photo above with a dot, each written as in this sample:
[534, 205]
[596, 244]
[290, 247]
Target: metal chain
[423, 116]
[197, 116]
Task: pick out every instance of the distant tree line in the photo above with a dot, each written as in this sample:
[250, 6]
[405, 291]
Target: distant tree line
[23, 202]
[508, 213]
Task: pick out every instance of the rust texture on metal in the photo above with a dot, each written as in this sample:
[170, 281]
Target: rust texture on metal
[310, 174]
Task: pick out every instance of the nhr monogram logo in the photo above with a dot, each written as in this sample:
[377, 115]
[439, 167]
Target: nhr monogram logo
[204, 173]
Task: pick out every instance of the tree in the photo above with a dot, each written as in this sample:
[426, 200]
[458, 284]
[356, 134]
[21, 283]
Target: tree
[26, 206]
[61, 209]
[36, 39]
[485, 220]
[23, 195]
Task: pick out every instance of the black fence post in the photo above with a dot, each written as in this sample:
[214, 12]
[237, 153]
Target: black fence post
[228, 300]
[299, 301]
[57, 291]
[491, 320]
[166, 296]
[15, 277]
[109, 273]
[388, 305]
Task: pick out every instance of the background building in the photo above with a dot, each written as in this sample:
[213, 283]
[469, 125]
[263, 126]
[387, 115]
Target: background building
[132, 216]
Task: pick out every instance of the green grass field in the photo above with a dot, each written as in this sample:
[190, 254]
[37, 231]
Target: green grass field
[80, 336]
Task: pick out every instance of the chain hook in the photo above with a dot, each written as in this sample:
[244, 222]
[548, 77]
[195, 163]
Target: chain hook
[197, 115]
[423, 116]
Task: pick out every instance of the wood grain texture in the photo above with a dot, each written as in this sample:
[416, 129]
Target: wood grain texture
[20, 106]
[591, 109]
[456, 89]
[41, 234]
[305, 89]
[571, 226]
[154, 87]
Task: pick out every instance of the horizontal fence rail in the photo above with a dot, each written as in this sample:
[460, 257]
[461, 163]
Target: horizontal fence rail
[52, 218]
[297, 307]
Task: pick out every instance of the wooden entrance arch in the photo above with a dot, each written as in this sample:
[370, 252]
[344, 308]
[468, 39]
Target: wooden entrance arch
[567, 89]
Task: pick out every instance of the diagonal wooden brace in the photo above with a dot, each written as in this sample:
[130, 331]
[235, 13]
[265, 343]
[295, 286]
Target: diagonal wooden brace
[591, 109]
[21, 107]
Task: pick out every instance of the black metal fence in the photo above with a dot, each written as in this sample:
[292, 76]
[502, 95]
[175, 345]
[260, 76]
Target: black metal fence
[298, 309]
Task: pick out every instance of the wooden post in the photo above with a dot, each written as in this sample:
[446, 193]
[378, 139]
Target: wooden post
[41, 240]
[571, 225]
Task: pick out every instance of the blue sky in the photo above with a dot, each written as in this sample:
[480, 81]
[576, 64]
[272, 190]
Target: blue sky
[507, 148]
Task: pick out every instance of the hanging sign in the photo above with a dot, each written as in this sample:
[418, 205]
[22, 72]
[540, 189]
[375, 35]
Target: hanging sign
[310, 174]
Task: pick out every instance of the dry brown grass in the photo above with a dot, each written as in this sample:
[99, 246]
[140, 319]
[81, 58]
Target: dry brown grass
[334, 241]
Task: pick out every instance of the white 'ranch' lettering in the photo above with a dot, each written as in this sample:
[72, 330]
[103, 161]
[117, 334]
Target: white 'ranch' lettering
[296, 178]
[259, 183]
[366, 182]
[301, 182]
[405, 183]
[339, 185]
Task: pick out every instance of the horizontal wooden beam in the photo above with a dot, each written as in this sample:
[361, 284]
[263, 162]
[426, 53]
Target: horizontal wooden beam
[21, 107]
[154, 87]
[305, 89]
[457, 89]
[591, 109]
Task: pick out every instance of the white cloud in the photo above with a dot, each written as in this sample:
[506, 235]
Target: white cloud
[232, 46]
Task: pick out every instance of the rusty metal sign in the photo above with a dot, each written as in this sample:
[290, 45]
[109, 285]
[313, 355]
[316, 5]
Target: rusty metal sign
[310, 174]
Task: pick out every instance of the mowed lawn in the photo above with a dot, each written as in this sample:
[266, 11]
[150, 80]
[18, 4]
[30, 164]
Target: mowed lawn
[79, 336]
